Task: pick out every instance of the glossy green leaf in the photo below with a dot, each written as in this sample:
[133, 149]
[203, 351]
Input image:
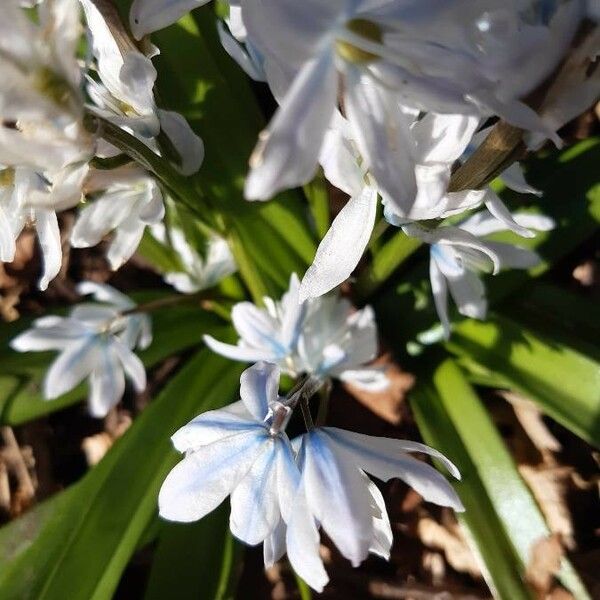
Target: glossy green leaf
[317, 194]
[572, 317]
[82, 550]
[502, 517]
[563, 382]
[195, 560]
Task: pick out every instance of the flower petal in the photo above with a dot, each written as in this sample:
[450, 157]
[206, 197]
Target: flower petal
[337, 496]
[107, 382]
[302, 541]
[468, 291]
[381, 131]
[515, 257]
[385, 459]
[71, 367]
[133, 366]
[274, 545]
[343, 245]
[254, 503]
[439, 289]
[147, 16]
[382, 529]
[49, 238]
[214, 425]
[204, 478]
[187, 144]
[259, 387]
[124, 244]
[239, 352]
[257, 328]
[288, 151]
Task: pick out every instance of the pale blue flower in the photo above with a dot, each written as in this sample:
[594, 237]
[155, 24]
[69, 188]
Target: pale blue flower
[242, 451]
[95, 342]
[322, 336]
[460, 255]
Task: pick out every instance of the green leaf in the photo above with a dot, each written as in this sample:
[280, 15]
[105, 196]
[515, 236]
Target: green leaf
[317, 194]
[563, 382]
[385, 262]
[573, 318]
[501, 515]
[195, 560]
[81, 552]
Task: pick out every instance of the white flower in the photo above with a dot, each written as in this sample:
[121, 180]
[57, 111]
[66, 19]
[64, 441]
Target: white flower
[127, 200]
[241, 450]
[336, 494]
[199, 273]
[41, 108]
[338, 341]
[458, 256]
[95, 341]
[29, 199]
[125, 95]
[324, 337]
[311, 58]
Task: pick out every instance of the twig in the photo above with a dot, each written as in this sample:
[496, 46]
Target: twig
[12, 454]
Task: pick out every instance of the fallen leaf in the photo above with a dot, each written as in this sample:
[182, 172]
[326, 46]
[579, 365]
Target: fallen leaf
[452, 543]
[549, 486]
[388, 404]
[544, 564]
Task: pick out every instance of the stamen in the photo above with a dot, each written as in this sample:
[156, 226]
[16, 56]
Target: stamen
[52, 85]
[365, 29]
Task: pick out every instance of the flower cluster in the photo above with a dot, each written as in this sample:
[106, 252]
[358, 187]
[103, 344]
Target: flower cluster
[390, 99]
[282, 491]
[48, 152]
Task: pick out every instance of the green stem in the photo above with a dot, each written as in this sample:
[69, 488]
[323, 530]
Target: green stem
[174, 300]
[177, 185]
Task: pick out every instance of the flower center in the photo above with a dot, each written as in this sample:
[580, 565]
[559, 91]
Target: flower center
[52, 85]
[363, 28]
[7, 177]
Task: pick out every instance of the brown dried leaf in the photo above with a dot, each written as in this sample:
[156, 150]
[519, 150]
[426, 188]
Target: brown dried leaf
[549, 487]
[586, 273]
[532, 422]
[96, 446]
[452, 543]
[388, 404]
[544, 564]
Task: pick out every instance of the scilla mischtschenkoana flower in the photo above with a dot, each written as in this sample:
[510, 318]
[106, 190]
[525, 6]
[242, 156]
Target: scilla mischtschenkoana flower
[322, 336]
[96, 341]
[282, 491]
